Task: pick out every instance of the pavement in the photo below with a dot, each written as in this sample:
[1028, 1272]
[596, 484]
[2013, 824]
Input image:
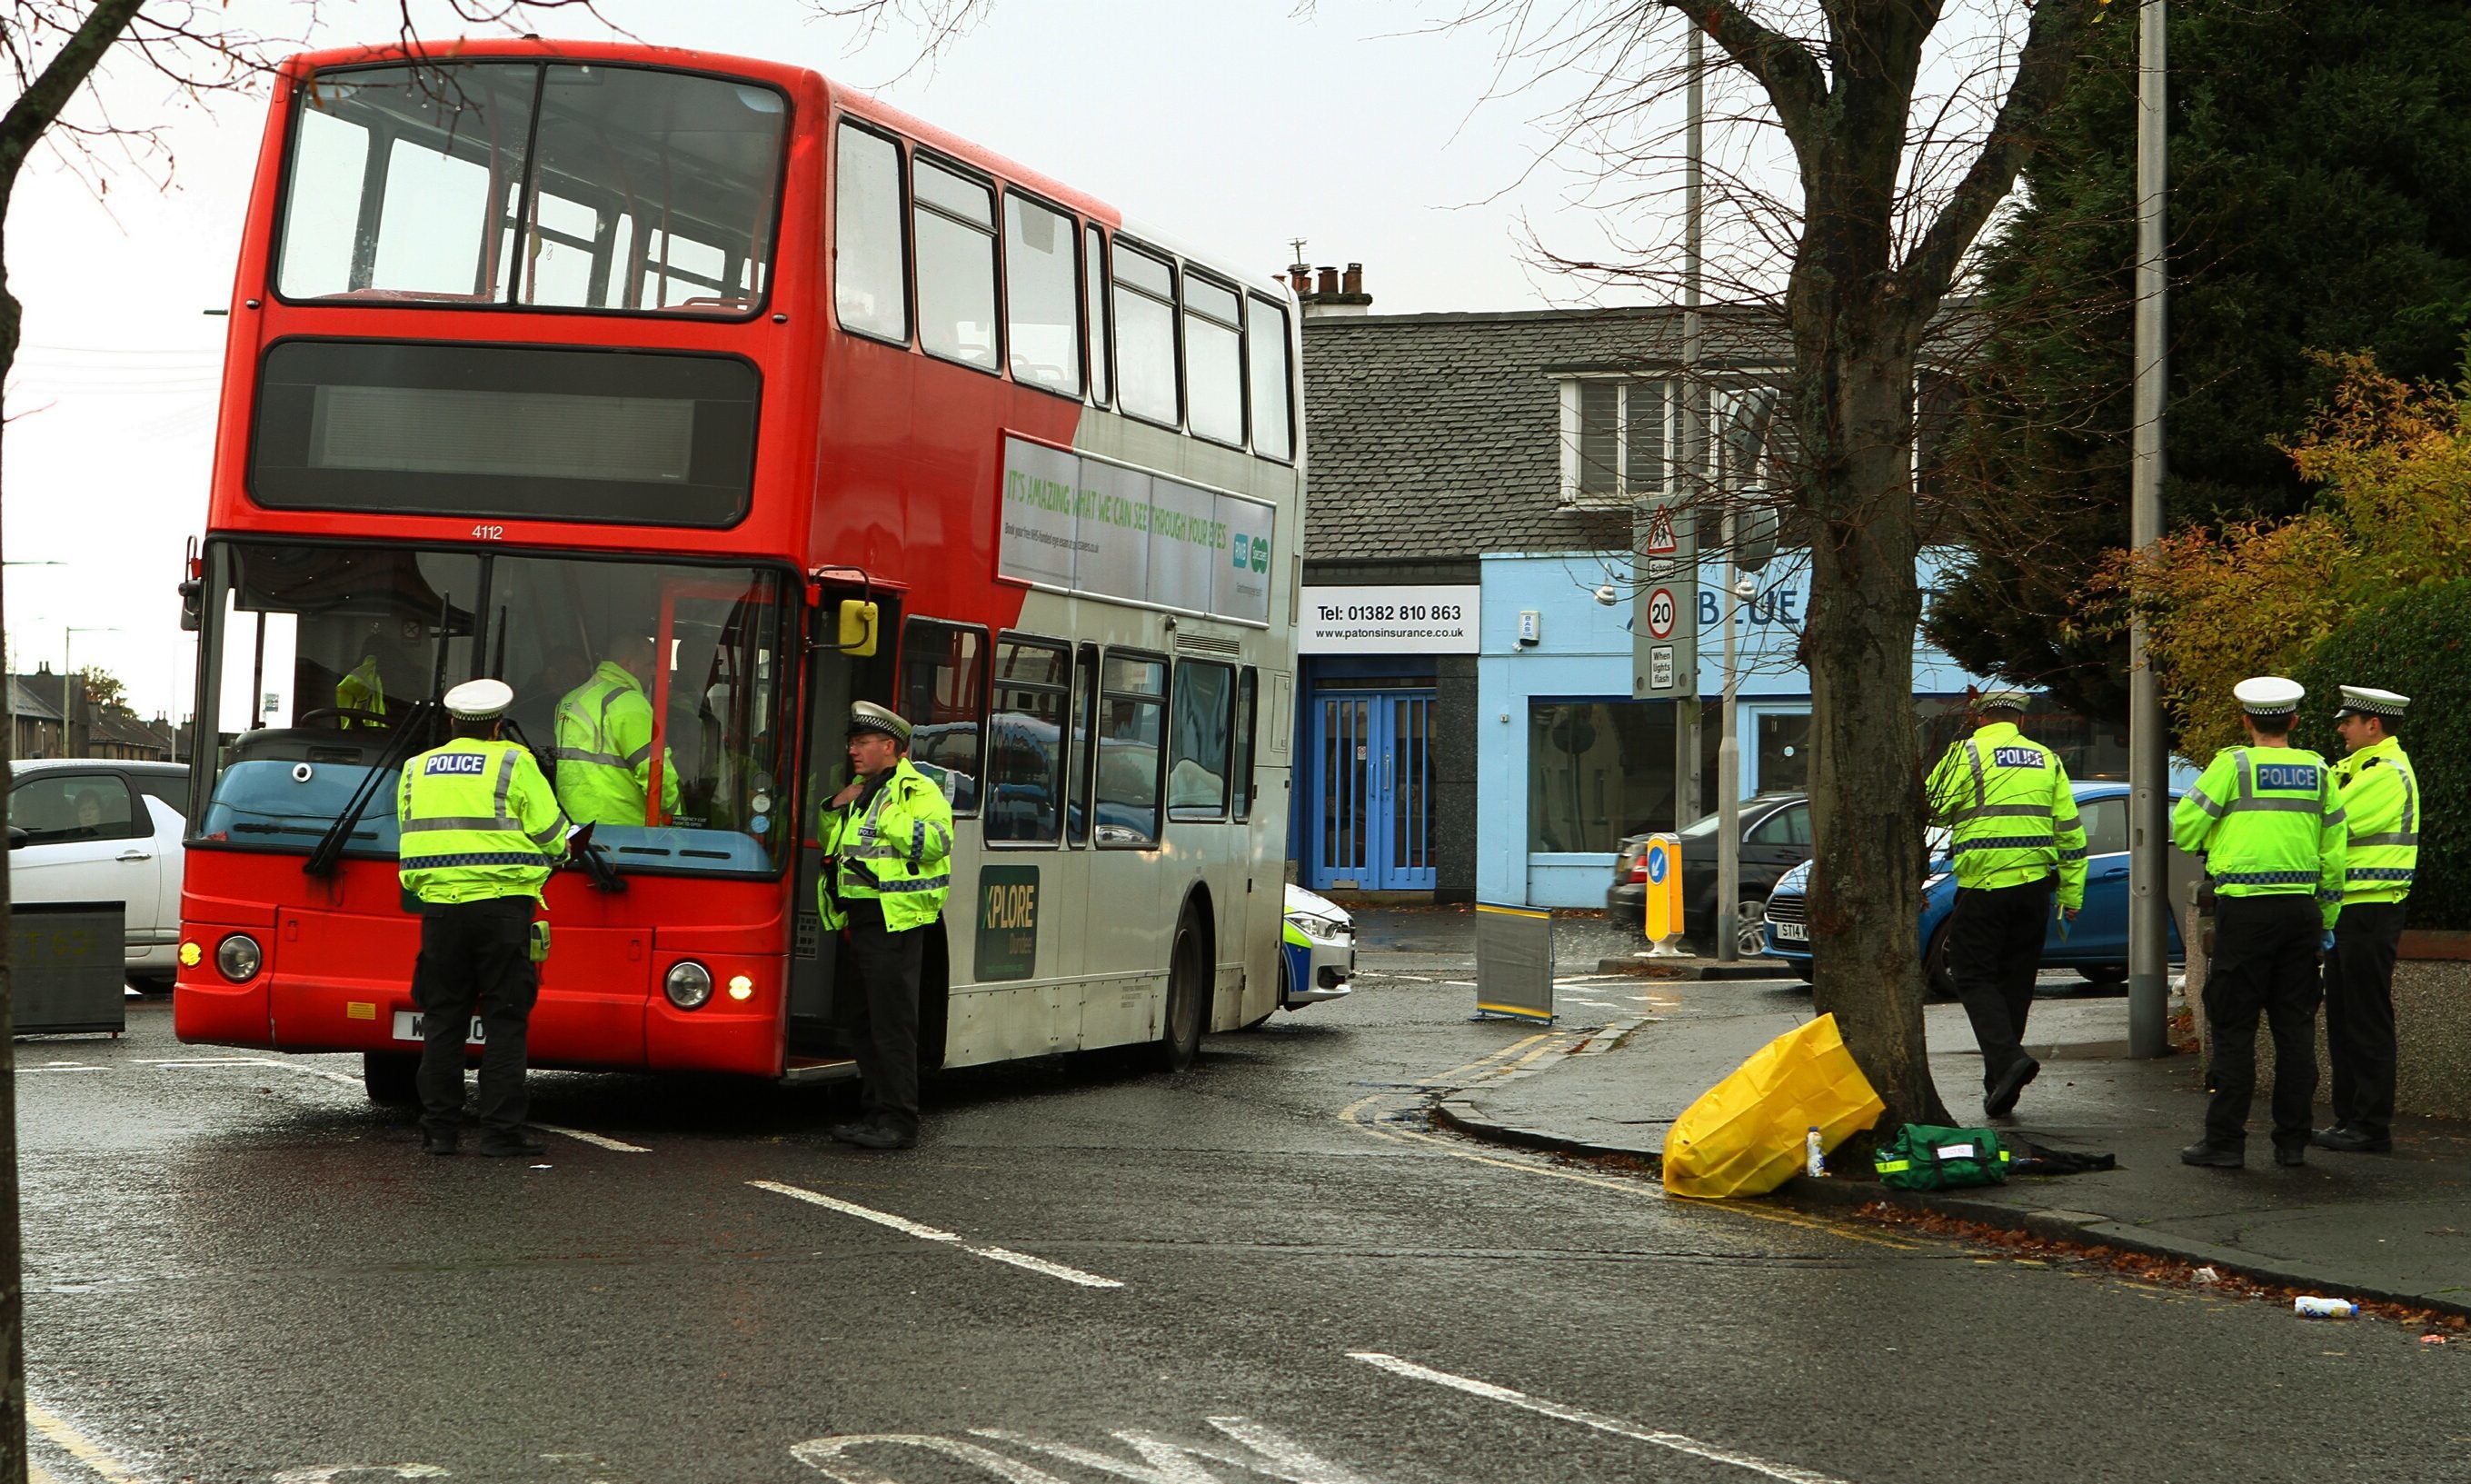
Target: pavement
[2394, 1227]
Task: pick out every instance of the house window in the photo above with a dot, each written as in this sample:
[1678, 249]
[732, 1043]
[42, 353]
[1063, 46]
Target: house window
[1613, 438]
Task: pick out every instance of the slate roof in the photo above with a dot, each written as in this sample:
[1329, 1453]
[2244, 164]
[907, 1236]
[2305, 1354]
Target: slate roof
[27, 700]
[1439, 435]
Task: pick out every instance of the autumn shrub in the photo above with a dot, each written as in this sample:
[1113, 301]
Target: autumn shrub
[2391, 462]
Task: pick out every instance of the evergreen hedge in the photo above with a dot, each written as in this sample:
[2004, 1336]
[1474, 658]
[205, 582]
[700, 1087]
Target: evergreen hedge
[2417, 642]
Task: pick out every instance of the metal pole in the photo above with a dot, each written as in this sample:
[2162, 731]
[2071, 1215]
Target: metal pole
[1692, 444]
[2148, 764]
[1729, 759]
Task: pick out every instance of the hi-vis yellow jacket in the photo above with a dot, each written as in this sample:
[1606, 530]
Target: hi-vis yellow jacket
[478, 821]
[898, 848]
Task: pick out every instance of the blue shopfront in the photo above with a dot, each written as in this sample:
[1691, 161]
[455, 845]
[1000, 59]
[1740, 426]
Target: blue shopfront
[1567, 763]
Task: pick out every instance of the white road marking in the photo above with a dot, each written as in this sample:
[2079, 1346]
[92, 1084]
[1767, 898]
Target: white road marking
[65, 1067]
[1679, 1442]
[619, 1144]
[202, 1061]
[929, 1234]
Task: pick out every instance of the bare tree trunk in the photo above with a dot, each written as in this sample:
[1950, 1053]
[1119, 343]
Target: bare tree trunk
[22, 127]
[1865, 790]
[13, 1287]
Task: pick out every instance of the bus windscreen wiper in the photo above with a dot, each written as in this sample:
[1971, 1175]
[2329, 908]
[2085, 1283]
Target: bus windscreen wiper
[329, 850]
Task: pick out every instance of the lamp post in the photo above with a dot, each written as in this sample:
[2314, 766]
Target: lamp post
[70, 746]
[2149, 763]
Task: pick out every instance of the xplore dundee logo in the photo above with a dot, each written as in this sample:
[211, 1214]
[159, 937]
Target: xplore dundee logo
[1260, 554]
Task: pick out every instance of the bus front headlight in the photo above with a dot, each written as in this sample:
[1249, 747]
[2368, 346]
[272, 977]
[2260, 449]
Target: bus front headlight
[689, 984]
[239, 957]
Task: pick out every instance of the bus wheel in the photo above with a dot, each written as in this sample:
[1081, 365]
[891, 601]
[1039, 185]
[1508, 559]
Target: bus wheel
[1187, 997]
[391, 1078]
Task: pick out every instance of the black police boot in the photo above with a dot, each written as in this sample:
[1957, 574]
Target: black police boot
[2350, 1139]
[883, 1136]
[440, 1144]
[2213, 1156]
[507, 1147]
[2289, 1155]
[2000, 1100]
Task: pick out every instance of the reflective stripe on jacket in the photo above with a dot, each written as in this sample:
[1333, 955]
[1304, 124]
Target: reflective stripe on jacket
[900, 849]
[2013, 814]
[2269, 821]
[603, 749]
[478, 820]
[2381, 815]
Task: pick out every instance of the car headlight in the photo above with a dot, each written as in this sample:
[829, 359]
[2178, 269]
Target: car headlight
[689, 984]
[1318, 928]
[239, 957]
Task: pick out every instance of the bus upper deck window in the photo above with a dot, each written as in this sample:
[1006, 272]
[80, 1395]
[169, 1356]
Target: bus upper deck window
[572, 186]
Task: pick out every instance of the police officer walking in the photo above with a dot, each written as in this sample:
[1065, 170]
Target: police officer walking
[480, 835]
[2017, 842]
[2381, 814]
[888, 839]
[604, 742]
[2269, 820]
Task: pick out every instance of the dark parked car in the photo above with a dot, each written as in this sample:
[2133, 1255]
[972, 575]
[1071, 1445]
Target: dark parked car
[2095, 945]
[1776, 837]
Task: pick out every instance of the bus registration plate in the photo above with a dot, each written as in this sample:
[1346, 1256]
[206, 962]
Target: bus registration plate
[407, 1028]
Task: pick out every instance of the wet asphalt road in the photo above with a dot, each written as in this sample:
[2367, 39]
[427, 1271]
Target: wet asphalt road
[1267, 1269]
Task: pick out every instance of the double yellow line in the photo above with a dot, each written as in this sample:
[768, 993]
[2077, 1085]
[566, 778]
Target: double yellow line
[75, 1444]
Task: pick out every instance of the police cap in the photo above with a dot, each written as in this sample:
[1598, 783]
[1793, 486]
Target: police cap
[480, 700]
[2369, 701]
[2000, 700]
[2268, 696]
[868, 716]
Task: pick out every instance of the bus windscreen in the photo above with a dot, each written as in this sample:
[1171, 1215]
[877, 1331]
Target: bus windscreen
[316, 656]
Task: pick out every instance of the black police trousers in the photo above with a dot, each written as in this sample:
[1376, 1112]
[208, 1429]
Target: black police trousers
[475, 958]
[2263, 964]
[1995, 949]
[2359, 1014]
[880, 1010]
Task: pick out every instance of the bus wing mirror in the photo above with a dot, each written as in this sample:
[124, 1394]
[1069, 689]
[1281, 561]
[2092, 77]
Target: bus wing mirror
[858, 627]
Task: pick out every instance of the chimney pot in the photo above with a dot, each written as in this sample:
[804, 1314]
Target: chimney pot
[1329, 280]
[1300, 278]
[1355, 282]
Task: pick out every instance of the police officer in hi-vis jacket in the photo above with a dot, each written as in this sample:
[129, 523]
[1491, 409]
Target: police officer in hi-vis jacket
[482, 834]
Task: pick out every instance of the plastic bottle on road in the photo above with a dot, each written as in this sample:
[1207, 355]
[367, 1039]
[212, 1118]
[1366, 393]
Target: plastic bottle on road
[1814, 1154]
[2310, 1306]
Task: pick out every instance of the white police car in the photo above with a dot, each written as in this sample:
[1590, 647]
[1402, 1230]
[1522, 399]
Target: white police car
[1317, 956]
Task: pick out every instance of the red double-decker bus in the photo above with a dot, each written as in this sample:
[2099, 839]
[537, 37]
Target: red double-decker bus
[542, 353]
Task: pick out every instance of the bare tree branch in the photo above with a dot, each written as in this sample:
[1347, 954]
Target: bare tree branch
[2042, 69]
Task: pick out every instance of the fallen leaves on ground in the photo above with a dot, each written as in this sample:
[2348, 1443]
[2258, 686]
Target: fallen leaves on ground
[2144, 1268]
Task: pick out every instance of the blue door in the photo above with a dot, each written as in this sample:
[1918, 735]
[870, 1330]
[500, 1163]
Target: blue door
[1372, 790]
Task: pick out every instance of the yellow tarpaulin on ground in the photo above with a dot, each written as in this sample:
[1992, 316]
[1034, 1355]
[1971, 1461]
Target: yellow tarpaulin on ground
[1747, 1134]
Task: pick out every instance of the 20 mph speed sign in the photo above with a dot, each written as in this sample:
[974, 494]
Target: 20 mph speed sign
[1661, 612]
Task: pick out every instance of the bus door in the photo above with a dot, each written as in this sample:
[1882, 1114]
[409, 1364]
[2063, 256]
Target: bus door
[835, 678]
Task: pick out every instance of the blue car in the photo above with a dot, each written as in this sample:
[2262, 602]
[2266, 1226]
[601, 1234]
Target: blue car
[2095, 944]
